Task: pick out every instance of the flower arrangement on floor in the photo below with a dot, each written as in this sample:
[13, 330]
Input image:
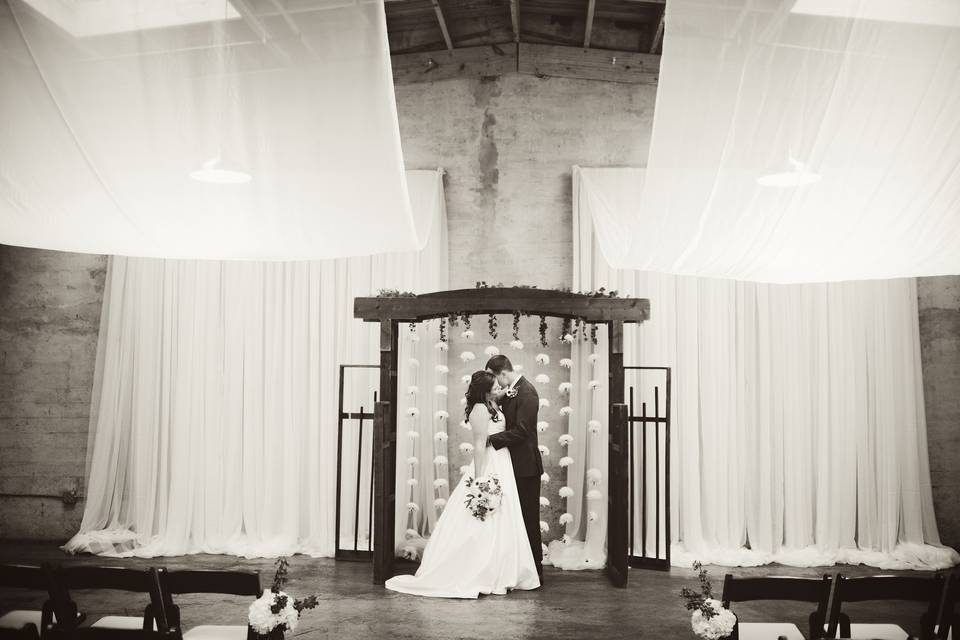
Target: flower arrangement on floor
[483, 496]
[275, 612]
[710, 620]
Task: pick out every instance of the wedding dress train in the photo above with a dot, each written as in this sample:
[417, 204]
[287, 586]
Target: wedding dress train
[466, 557]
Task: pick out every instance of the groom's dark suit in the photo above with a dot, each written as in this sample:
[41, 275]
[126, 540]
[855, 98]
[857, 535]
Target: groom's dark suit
[520, 436]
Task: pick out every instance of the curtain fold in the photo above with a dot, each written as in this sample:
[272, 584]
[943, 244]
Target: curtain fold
[214, 414]
[798, 430]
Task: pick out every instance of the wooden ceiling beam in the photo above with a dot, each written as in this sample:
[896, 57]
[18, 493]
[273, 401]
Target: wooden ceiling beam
[544, 60]
[588, 30]
[462, 62]
[443, 24]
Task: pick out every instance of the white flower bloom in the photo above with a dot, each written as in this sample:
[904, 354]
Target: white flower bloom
[594, 385]
[413, 435]
[593, 358]
[442, 415]
[413, 460]
[716, 627]
[463, 401]
[412, 482]
[565, 439]
[566, 492]
[412, 533]
[545, 478]
[594, 426]
[413, 506]
[464, 469]
[516, 344]
[442, 369]
[262, 619]
[565, 387]
[591, 516]
[566, 539]
[466, 425]
[440, 389]
[467, 356]
[413, 362]
[544, 502]
[518, 368]
[566, 518]
[568, 338]
[542, 378]
[440, 460]
[542, 359]
[440, 503]
[594, 494]
[440, 436]
[544, 451]
[409, 552]
[594, 475]
[544, 527]
[413, 411]
[491, 351]
[566, 461]
[566, 363]
[566, 411]
[441, 346]
[440, 482]
[542, 426]
[466, 447]
[467, 334]
[413, 390]
[414, 336]
[544, 403]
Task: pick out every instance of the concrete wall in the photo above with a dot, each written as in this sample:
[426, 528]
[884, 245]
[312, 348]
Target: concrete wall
[49, 318]
[939, 302]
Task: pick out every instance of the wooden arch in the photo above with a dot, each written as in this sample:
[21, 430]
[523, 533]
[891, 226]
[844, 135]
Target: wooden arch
[391, 312]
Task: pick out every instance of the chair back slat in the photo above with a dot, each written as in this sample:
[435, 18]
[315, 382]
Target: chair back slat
[23, 576]
[238, 583]
[906, 588]
[949, 616]
[118, 578]
[776, 588]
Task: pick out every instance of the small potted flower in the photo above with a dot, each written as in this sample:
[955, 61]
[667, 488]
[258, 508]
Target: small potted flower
[275, 612]
[710, 620]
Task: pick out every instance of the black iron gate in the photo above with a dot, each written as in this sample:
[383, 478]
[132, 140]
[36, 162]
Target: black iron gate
[353, 547]
[649, 447]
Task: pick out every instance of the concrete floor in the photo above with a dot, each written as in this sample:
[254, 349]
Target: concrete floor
[571, 605]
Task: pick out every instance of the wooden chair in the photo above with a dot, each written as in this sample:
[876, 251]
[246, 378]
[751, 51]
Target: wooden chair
[948, 627]
[884, 588]
[102, 633]
[815, 590]
[18, 576]
[67, 579]
[26, 632]
[238, 583]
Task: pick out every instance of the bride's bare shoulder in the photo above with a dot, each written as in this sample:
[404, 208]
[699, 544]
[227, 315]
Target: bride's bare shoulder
[479, 412]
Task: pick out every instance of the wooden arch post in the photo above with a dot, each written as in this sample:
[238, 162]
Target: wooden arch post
[393, 311]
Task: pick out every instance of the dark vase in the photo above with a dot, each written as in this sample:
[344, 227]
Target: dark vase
[276, 634]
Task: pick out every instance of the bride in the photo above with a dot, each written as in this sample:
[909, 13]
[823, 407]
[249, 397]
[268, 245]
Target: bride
[466, 557]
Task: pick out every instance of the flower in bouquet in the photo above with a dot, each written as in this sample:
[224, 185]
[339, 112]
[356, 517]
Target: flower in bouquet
[566, 538]
[483, 496]
[276, 610]
[719, 625]
[566, 363]
[413, 506]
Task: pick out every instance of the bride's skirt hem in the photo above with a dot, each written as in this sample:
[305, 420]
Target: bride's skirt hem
[468, 594]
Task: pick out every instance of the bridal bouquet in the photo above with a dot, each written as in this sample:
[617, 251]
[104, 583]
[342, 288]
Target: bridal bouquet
[275, 612]
[483, 496]
[710, 620]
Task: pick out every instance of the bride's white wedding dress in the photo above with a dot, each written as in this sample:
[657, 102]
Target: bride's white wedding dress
[466, 557]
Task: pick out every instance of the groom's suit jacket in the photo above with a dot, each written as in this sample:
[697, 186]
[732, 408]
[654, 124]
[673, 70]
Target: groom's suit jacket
[520, 433]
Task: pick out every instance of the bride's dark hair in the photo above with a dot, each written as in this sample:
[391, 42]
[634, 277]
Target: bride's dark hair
[481, 382]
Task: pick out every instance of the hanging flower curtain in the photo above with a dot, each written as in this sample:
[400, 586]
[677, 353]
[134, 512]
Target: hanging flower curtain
[798, 141]
[202, 129]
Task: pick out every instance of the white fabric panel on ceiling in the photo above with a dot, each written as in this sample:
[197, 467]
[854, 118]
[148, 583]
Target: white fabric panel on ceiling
[860, 100]
[213, 423]
[109, 107]
[798, 425]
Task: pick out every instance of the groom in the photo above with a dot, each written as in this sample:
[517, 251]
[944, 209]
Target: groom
[520, 405]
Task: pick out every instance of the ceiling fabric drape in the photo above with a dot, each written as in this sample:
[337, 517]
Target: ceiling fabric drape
[800, 141]
[213, 423]
[210, 129]
[798, 428]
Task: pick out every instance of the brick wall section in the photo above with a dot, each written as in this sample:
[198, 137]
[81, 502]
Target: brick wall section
[50, 317]
[939, 302]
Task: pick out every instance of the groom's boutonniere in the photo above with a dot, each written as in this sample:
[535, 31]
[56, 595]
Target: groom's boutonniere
[511, 393]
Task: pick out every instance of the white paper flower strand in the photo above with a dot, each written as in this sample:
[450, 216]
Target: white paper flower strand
[441, 459]
[467, 335]
[440, 389]
[442, 414]
[544, 403]
[441, 346]
[566, 518]
[594, 385]
[594, 476]
[566, 492]
[565, 388]
[544, 527]
[491, 351]
[566, 461]
[413, 390]
[542, 378]
[566, 363]
[413, 412]
[442, 369]
[542, 426]
[516, 345]
[413, 435]
[466, 447]
[594, 426]
[544, 502]
[413, 362]
[593, 358]
[566, 411]
[465, 379]
[565, 439]
[467, 356]
[594, 494]
[440, 436]
[412, 460]
[439, 483]
[542, 359]
[544, 451]
[440, 503]
[412, 482]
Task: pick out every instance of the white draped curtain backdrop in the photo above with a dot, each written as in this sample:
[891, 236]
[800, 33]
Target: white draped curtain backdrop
[798, 424]
[213, 425]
